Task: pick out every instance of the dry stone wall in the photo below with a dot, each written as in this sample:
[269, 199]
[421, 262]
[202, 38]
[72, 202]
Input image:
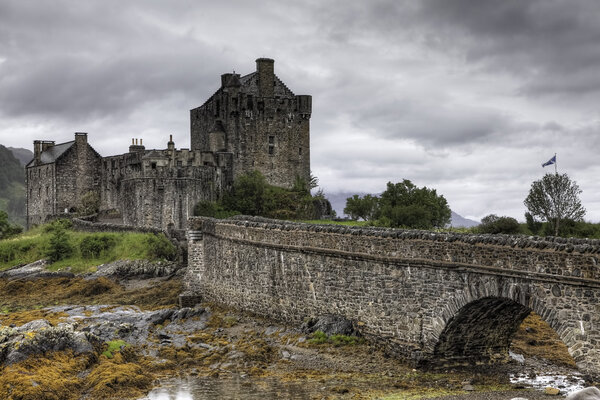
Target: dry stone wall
[420, 294]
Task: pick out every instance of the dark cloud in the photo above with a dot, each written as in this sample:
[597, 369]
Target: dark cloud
[468, 97]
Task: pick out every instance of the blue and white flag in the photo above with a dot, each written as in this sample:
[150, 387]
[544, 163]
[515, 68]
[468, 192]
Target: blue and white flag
[550, 161]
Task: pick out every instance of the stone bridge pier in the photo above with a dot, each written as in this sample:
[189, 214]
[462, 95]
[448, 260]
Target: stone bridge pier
[427, 297]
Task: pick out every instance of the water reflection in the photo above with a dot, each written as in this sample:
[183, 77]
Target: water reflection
[237, 387]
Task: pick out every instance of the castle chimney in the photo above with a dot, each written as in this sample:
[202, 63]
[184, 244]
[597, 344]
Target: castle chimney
[135, 147]
[171, 144]
[266, 76]
[81, 138]
[37, 151]
[46, 144]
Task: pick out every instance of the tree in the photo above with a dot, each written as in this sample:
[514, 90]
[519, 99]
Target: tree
[361, 207]
[405, 205]
[555, 198]
[6, 228]
[495, 224]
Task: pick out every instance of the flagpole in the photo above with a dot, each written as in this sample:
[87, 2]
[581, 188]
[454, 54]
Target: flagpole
[555, 165]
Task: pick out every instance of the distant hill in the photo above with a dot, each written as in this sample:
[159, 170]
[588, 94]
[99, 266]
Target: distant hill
[338, 202]
[12, 186]
[23, 155]
[458, 221]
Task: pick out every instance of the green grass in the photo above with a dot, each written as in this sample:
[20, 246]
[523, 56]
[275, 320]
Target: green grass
[31, 246]
[319, 337]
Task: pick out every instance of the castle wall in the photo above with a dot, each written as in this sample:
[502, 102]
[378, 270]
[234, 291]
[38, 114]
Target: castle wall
[159, 188]
[41, 193]
[77, 173]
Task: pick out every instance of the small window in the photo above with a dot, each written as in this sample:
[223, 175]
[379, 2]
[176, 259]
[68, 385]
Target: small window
[179, 163]
[299, 151]
[271, 145]
[153, 165]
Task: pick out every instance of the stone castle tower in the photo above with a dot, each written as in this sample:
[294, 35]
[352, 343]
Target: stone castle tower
[251, 123]
[261, 122]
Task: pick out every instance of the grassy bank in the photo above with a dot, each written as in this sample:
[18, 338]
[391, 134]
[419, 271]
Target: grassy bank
[82, 251]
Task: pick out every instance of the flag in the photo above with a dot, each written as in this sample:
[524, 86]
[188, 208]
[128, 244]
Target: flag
[550, 161]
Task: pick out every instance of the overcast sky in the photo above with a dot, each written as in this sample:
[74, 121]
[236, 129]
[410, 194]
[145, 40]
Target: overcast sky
[467, 97]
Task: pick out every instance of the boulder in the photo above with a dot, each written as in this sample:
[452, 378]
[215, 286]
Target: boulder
[589, 393]
[330, 325]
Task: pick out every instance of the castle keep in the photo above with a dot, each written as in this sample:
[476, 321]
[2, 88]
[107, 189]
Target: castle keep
[252, 122]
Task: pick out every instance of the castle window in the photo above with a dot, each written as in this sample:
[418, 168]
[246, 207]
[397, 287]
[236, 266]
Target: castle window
[250, 103]
[299, 151]
[218, 109]
[179, 164]
[153, 165]
[271, 145]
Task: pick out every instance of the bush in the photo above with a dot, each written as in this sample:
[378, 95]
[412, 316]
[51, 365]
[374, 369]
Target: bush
[159, 247]
[90, 203]
[94, 246]
[495, 224]
[212, 209]
[58, 224]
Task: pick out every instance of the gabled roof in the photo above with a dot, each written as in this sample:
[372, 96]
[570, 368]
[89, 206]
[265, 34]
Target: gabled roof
[53, 153]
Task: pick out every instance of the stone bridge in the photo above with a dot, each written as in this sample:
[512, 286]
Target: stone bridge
[425, 296]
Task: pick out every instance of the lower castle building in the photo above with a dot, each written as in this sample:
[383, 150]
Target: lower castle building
[251, 123]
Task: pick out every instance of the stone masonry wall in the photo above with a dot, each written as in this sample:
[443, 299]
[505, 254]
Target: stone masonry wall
[407, 290]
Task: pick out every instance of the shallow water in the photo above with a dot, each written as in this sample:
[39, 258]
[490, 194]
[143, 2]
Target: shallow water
[237, 387]
[566, 383]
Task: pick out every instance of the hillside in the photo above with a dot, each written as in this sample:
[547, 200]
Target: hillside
[12, 186]
[23, 155]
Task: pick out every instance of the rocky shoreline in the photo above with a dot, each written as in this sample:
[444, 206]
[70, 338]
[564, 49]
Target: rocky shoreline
[117, 333]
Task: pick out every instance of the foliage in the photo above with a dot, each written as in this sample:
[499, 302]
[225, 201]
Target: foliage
[495, 224]
[533, 225]
[114, 346]
[60, 246]
[555, 198]
[320, 337]
[404, 205]
[212, 209]
[94, 246]
[6, 228]
[33, 244]
[159, 247]
[61, 223]
[252, 195]
[89, 203]
[361, 207]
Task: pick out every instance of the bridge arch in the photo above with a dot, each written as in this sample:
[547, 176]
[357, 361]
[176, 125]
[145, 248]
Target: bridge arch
[478, 325]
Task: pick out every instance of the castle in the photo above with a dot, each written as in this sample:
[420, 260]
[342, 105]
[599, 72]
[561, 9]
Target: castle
[252, 122]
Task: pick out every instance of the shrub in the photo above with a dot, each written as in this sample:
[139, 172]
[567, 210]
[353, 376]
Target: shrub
[495, 224]
[159, 247]
[94, 246]
[61, 223]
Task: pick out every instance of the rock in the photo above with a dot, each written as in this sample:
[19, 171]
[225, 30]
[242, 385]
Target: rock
[551, 391]
[468, 388]
[34, 325]
[130, 268]
[285, 354]
[519, 398]
[330, 325]
[589, 393]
